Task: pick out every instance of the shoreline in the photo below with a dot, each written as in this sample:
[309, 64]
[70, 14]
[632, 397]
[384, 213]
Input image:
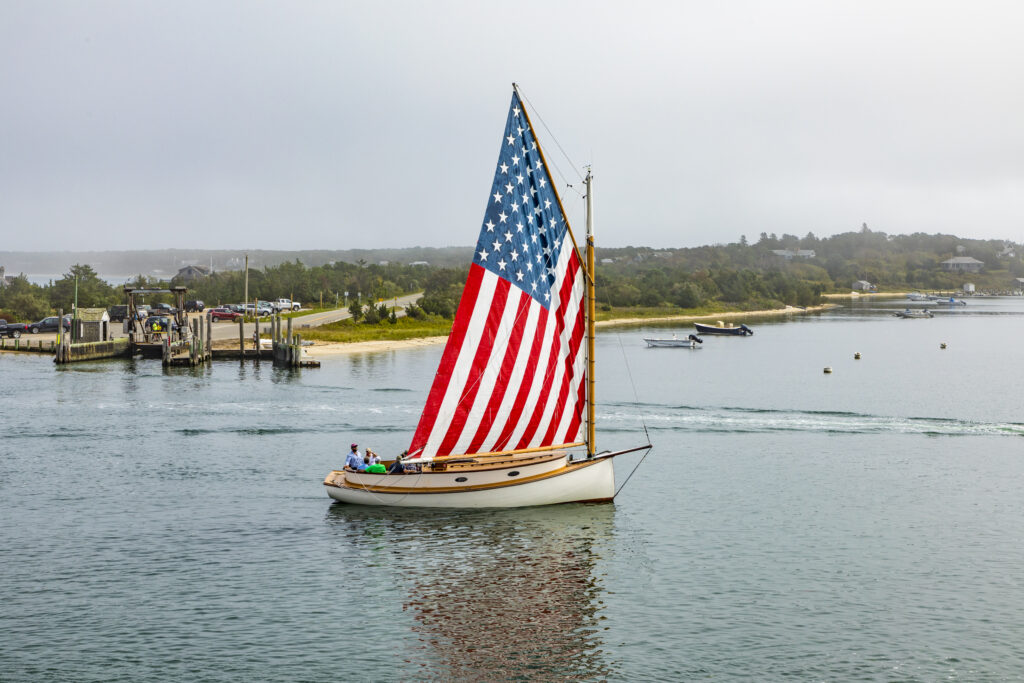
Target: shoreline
[320, 350]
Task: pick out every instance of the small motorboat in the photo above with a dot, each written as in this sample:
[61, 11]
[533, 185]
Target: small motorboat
[917, 296]
[950, 302]
[914, 314]
[691, 342]
[721, 328]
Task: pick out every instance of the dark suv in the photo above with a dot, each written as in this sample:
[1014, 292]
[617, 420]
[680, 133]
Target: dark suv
[194, 306]
[49, 324]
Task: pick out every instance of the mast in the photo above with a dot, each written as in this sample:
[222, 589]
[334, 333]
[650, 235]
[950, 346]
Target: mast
[591, 310]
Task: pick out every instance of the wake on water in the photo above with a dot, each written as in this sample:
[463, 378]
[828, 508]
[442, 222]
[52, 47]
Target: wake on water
[732, 419]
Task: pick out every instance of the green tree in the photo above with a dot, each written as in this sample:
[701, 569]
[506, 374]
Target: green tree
[92, 291]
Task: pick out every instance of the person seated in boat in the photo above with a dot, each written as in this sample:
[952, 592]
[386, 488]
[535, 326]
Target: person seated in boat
[354, 459]
[397, 467]
[374, 458]
[376, 468]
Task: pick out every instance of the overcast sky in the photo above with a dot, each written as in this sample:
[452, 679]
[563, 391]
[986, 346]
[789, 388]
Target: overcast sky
[127, 124]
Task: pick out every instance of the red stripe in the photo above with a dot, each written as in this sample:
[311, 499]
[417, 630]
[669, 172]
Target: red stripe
[515, 341]
[448, 359]
[547, 389]
[577, 416]
[526, 383]
[563, 393]
[480, 361]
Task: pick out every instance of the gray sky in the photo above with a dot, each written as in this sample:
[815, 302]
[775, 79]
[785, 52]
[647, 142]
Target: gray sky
[310, 124]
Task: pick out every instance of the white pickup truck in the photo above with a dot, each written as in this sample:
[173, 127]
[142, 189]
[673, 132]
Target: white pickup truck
[287, 305]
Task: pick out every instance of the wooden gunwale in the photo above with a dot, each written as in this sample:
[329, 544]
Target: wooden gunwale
[521, 451]
[457, 489]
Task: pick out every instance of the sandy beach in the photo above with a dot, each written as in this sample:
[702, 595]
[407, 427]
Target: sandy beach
[321, 350]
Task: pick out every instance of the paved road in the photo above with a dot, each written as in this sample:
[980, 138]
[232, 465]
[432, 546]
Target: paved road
[230, 330]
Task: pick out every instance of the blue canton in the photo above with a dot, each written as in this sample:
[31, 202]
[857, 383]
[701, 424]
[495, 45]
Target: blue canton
[524, 229]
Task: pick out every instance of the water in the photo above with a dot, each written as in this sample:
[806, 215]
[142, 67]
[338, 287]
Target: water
[170, 525]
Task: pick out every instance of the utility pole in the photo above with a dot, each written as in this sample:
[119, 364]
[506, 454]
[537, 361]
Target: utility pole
[246, 299]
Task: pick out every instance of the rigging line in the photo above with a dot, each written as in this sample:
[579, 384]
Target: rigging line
[557, 143]
[635, 468]
[636, 397]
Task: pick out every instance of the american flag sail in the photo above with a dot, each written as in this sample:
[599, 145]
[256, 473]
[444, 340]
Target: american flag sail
[512, 374]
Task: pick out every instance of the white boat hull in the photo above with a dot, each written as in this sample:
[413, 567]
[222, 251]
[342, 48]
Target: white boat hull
[677, 343]
[542, 484]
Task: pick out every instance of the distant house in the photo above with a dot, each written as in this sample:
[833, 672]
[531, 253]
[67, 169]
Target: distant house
[963, 264]
[607, 260]
[1020, 283]
[4, 279]
[790, 254]
[420, 263]
[864, 286]
[1006, 252]
[969, 288]
[190, 273]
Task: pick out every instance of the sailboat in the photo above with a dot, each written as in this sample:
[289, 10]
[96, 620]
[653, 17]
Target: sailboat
[509, 419]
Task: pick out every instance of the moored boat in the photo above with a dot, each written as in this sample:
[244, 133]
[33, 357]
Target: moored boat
[691, 342]
[914, 314]
[721, 328]
[509, 419]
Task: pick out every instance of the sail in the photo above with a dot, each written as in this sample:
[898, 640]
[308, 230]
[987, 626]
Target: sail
[512, 374]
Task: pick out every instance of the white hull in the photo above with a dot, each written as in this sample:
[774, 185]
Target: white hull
[541, 484]
[678, 343]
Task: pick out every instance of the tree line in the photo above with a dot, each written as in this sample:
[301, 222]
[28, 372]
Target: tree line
[739, 274]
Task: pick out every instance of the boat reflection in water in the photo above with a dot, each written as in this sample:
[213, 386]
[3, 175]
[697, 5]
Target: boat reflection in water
[494, 594]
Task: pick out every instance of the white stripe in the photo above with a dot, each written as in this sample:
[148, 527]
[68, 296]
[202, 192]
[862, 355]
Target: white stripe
[512, 386]
[461, 371]
[490, 374]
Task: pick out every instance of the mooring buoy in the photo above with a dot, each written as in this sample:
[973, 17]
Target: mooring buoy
[828, 370]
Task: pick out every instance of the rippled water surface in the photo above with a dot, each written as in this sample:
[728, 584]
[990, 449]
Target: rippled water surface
[862, 525]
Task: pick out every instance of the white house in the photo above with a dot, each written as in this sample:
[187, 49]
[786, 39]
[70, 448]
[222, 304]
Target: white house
[966, 264]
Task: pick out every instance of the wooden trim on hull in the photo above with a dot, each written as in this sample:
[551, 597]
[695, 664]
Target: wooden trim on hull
[456, 489]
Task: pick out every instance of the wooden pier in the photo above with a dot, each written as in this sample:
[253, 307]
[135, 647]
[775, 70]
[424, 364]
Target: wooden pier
[185, 343]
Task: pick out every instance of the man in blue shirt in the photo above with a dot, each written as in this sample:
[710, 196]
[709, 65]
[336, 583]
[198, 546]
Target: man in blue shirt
[354, 461]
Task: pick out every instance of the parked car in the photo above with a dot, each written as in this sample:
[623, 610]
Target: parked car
[224, 313]
[287, 305]
[12, 330]
[49, 324]
[194, 306]
[262, 308]
[143, 310]
[163, 309]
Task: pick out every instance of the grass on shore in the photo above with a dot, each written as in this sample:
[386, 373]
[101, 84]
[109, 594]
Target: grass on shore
[347, 331]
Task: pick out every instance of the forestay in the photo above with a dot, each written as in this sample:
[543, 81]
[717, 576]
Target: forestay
[512, 374]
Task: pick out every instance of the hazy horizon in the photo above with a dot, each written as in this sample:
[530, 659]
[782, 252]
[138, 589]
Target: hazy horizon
[348, 125]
